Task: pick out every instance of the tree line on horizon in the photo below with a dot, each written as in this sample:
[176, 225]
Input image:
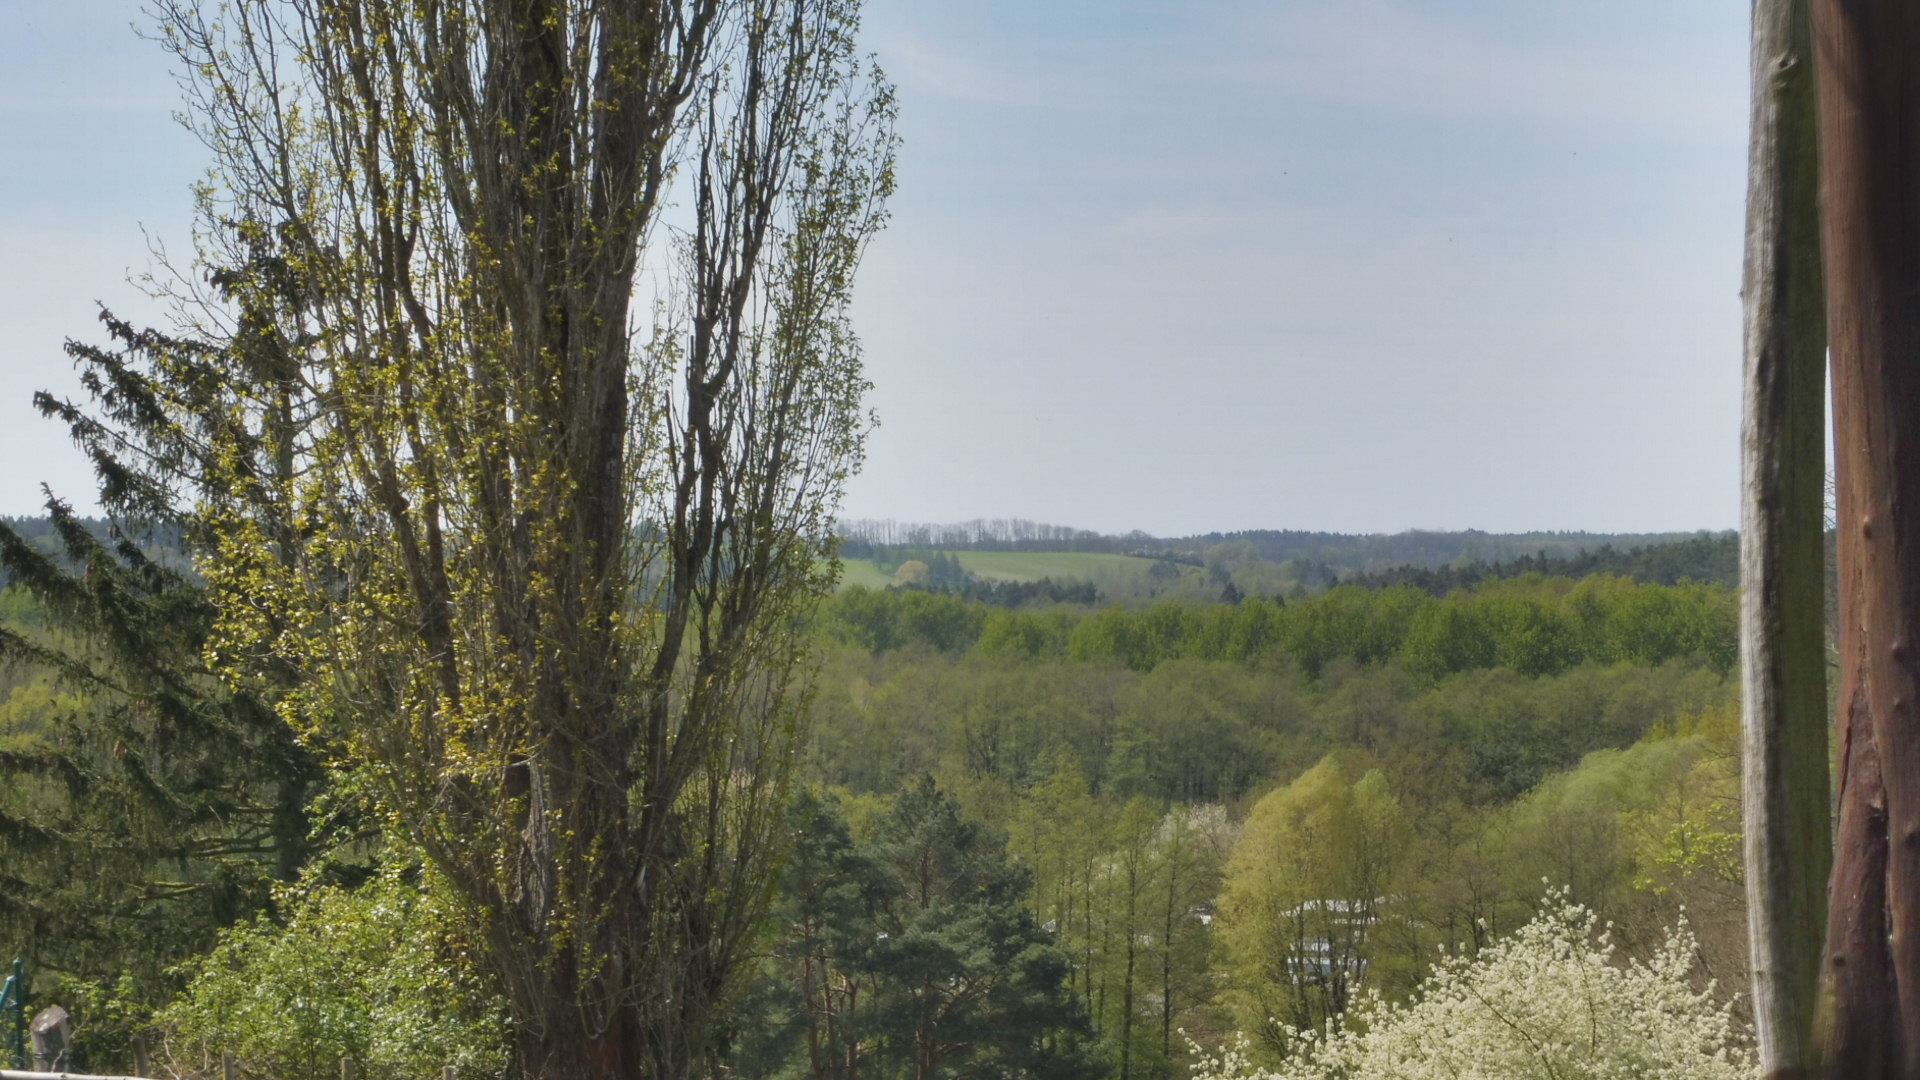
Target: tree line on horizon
[868, 538]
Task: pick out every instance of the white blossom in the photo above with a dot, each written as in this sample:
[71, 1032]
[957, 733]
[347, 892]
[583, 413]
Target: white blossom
[1549, 1002]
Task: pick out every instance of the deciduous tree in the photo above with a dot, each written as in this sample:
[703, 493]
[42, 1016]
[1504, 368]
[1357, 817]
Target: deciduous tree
[1310, 878]
[536, 556]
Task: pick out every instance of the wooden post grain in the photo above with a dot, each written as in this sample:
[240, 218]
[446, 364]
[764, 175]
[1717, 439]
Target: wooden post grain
[1782, 550]
[1869, 117]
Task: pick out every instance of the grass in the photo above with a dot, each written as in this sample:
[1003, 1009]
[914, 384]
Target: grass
[863, 572]
[1112, 574]
[1061, 566]
[1119, 579]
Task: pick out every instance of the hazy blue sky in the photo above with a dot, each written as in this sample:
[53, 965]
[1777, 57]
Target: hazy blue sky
[1176, 266]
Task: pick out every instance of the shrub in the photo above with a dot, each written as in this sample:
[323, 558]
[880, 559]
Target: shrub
[371, 973]
[1551, 1001]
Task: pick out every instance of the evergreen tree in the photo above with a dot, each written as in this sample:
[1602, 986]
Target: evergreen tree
[154, 803]
[974, 987]
[804, 1016]
[915, 955]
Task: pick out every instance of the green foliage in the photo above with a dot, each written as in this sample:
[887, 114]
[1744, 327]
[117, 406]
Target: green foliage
[19, 609]
[913, 954]
[1138, 568]
[379, 973]
[1109, 776]
[936, 569]
[946, 623]
[1349, 622]
[1452, 863]
[978, 984]
[1512, 731]
[882, 620]
[1425, 548]
[1192, 729]
[1124, 888]
[868, 618]
[1551, 1002]
[144, 803]
[536, 559]
[1314, 878]
[1707, 557]
[1572, 827]
[1018, 635]
[801, 1017]
[1533, 625]
[34, 708]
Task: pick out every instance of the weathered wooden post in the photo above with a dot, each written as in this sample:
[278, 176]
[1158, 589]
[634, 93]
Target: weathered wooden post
[1783, 656]
[227, 1070]
[1869, 115]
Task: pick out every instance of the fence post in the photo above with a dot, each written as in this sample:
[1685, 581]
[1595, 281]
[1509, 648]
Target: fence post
[347, 1068]
[140, 1053]
[227, 1071]
[13, 1018]
[446, 1073]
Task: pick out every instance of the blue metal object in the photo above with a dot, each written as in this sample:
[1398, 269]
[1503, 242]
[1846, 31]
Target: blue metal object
[13, 1017]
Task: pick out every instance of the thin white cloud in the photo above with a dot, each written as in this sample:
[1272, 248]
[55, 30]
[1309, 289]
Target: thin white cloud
[1395, 56]
[1389, 54]
[131, 102]
[949, 72]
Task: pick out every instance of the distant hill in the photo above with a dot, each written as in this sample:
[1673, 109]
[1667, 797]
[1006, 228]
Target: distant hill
[1356, 552]
[1423, 548]
[986, 556]
[162, 545]
[1707, 557]
[1267, 562]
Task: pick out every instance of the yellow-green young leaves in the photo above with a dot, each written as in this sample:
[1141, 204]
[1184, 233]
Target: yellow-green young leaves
[528, 551]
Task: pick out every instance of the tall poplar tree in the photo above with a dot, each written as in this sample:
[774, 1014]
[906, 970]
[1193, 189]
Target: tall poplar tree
[533, 553]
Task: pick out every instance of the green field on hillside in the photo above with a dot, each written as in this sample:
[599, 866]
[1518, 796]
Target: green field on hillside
[1032, 566]
[1116, 576]
[863, 572]
[1017, 566]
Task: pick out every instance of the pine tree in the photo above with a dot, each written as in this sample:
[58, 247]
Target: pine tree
[914, 955]
[156, 803]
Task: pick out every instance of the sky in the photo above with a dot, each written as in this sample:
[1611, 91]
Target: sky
[1170, 265]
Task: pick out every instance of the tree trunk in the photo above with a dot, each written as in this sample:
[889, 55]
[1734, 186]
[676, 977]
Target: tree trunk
[1782, 557]
[1869, 116]
[1166, 958]
[1126, 987]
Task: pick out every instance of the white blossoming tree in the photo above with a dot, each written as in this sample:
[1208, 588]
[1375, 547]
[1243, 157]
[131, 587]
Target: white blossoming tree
[1549, 1002]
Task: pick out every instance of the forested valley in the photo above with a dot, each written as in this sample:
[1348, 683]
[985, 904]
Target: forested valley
[1038, 827]
[463, 665]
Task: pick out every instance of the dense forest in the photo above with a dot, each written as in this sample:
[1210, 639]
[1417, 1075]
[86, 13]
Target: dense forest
[1035, 830]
